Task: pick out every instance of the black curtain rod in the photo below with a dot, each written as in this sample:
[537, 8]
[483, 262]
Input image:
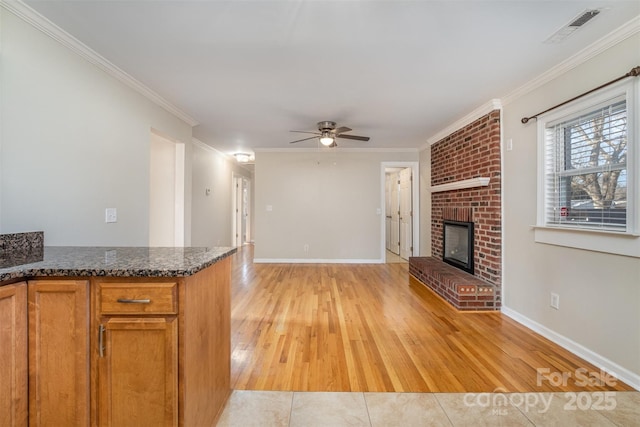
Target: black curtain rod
[635, 71]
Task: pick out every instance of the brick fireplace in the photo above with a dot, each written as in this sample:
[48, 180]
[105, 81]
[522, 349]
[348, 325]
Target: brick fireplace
[466, 158]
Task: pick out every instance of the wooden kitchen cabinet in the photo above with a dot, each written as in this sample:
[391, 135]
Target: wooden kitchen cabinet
[141, 350]
[44, 376]
[13, 358]
[138, 373]
[163, 349]
[137, 354]
[58, 352]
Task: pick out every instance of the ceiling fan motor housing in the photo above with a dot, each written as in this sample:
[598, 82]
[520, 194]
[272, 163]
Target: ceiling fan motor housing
[326, 126]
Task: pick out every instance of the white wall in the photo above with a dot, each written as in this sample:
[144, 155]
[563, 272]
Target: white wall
[599, 315]
[212, 212]
[327, 200]
[74, 141]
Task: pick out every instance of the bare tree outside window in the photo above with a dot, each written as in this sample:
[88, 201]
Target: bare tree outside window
[590, 167]
[603, 148]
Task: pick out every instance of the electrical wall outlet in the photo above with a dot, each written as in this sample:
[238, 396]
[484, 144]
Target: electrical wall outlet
[306, 247]
[555, 301]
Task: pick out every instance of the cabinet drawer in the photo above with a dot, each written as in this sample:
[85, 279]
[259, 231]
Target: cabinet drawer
[137, 298]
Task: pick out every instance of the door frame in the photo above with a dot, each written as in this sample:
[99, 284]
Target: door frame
[179, 167]
[415, 201]
[236, 228]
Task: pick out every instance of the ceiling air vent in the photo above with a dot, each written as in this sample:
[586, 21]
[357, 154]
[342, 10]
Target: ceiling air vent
[572, 26]
[587, 16]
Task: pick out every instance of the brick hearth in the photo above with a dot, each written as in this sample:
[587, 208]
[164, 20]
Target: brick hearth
[461, 289]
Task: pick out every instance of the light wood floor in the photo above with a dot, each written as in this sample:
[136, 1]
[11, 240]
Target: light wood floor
[346, 327]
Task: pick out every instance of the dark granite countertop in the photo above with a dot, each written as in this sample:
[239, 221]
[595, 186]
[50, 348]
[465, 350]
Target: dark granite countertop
[69, 261]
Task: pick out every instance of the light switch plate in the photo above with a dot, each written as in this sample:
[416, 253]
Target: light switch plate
[110, 215]
[555, 301]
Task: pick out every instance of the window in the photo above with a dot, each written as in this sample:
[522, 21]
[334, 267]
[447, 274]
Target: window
[586, 161]
[586, 168]
[587, 171]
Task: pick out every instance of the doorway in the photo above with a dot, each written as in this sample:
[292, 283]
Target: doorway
[401, 216]
[392, 210]
[166, 191]
[241, 229]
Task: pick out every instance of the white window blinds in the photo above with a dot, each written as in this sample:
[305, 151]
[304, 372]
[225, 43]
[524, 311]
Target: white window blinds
[585, 164]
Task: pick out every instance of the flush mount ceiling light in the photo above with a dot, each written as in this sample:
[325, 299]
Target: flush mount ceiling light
[572, 26]
[242, 157]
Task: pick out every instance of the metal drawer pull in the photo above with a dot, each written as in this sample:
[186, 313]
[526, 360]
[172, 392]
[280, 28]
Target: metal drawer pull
[134, 301]
[101, 340]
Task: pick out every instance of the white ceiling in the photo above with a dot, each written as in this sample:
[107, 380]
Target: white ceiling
[397, 71]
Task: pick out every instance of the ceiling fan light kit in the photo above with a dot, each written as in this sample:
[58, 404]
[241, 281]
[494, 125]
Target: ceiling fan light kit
[328, 133]
[326, 139]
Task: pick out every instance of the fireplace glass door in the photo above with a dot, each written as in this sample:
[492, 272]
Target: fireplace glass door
[458, 245]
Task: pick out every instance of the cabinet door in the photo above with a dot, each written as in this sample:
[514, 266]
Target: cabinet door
[58, 353]
[137, 372]
[13, 355]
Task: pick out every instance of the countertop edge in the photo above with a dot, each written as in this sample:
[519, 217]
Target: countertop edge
[28, 271]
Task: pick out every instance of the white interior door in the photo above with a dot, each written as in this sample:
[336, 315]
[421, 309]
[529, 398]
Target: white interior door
[412, 231]
[237, 211]
[406, 214]
[395, 214]
[241, 209]
[387, 210]
[245, 229]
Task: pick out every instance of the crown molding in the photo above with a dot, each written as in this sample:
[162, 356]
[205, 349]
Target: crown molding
[338, 149]
[616, 36]
[227, 157]
[204, 146]
[483, 110]
[30, 16]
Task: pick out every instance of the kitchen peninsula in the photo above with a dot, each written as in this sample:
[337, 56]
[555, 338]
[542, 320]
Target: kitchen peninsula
[114, 335]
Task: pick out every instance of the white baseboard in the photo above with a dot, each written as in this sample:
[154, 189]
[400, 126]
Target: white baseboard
[612, 368]
[315, 261]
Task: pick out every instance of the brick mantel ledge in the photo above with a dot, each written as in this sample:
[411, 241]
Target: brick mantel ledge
[459, 185]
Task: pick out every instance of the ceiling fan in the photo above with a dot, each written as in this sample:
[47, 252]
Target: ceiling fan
[328, 133]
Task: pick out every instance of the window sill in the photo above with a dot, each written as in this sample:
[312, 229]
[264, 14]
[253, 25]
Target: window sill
[610, 242]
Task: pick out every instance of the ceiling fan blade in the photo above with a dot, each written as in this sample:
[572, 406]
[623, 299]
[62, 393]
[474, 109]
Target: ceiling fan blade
[341, 129]
[305, 131]
[304, 139]
[356, 137]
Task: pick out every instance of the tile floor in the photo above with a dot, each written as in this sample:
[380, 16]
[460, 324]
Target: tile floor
[308, 409]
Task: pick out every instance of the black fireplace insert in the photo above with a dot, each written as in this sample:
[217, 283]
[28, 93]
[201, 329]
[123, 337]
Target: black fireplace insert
[457, 244]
